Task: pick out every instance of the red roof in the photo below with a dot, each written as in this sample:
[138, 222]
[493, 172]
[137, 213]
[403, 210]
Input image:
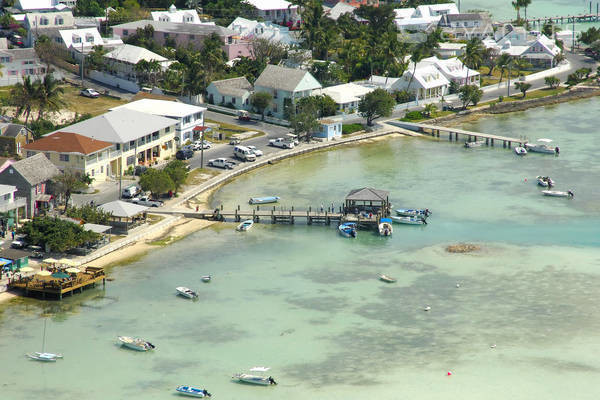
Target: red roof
[67, 142]
[199, 128]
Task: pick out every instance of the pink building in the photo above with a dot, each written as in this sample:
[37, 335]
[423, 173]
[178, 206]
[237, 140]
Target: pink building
[184, 34]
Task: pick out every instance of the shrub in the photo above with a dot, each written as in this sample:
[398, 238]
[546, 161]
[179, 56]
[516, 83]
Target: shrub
[413, 115]
[351, 128]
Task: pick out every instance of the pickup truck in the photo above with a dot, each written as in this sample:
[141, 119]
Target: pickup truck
[282, 143]
[146, 201]
[221, 163]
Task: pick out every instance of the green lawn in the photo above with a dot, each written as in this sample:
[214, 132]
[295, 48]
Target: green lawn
[85, 105]
[230, 129]
[537, 94]
[494, 79]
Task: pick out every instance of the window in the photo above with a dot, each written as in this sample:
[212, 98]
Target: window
[167, 129]
[7, 196]
[102, 169]
[44, 21]
[192, 37]
[64, 157]
[187, 120]
[233, 100]
[118, 146]
[4, 59]
[58, 21]
[132, 143]
[130, 160]
[154, 135]
[89, 38]
[166, 35]
[30, 153]
[76, 39]
[125, 32]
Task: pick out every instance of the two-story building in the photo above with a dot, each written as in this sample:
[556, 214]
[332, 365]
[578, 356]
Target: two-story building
[75, 153]
[454, 70]
[187, 116]
[234, 91]
[19, 63]
[31, 176]
[28, 6]
[424, 82]
[278, 11]
[138, 138]
[82, 40]
[286, 85]
[10, 204]
[13, 137]
[185, 35]
[251, 29]
[47, 24]
[175, 15]
[467, 26]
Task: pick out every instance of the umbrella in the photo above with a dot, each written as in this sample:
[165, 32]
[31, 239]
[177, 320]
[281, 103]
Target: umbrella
[26, 269]
[44, 273]
[50, 261]
[69, 262]
[60, 275]
[72, 270]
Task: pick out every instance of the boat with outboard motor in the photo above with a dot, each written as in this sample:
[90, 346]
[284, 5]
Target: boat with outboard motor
[544, 181]
[348, 229]
[408, 212]
[264, 200]
[385, 227]
[245, 225]
[48, 357]
[136, 343]
[255, 379]
[417, 220]
[557, 193]
[542, 146]
[520, 151]
[192, 391]
[478, 143]
[186, 292]
[206, 278]
[386, 279]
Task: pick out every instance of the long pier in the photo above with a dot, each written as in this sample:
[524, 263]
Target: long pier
[455, 133]
[565, 19]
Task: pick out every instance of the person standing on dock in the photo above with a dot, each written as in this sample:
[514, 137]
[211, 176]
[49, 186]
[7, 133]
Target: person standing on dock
[321, 207]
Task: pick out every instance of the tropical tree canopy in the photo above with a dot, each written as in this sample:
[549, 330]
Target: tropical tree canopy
[378, 103]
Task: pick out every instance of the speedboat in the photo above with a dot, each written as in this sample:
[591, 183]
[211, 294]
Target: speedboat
[406, 212]
[136, 343]
[264, 200]
[255, 379]
[416, 220]
[544, 181]
[521, 151]
[348, 229]
[186, 292]
[542, 146]
[387, 279]
[192, 391]
[205, 278]
[385, 227]
[478, 143]
[557, 193]
[47, 357]
[245, 225]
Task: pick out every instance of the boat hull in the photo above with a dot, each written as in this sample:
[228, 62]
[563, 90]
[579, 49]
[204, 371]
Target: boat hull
[385, 229]
[191, 391]
[348, 230]
[386, 279]
[409, 220]
[554, 193]
[186, 292]
[45, 357]
[253, 379]
[403, 212]
[135, 343]
[520, 151]
[245, 226]
[264, 200]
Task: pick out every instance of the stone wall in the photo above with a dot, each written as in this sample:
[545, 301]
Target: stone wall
[521, 105]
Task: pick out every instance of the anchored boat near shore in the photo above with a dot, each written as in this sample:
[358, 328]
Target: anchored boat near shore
[135, 343]
[264, 200]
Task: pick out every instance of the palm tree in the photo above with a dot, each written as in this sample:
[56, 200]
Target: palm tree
[489, 59]
[49, 96]
[517, 6]
[473, 56]
[423, 50]
[520, 64]
[525, 4]
[24, 97]
[503, 62]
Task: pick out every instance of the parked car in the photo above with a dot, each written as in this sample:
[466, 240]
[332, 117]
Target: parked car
[18, 244]
[256, 151]
[243, 153]
[184, 154]
[199, 145]
[221, 163]
[129, 191]
[16, 40]
[234, 141]
[146, 201]
[290, 137]
[189, 147]
[89, 92]
[281, 143]
[243, 115]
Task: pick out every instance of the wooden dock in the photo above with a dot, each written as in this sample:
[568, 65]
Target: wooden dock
[57, 288]
[566, 19]
[454, 133]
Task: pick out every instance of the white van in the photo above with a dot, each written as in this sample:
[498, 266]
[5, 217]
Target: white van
[129, 192]
[244, 153]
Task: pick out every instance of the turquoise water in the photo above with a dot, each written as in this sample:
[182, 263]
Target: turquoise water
[540, 8]
[307, 302]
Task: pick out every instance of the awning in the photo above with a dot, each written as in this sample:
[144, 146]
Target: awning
[4, 261]
[50, 260]
[43, 197]
[97, 228]
[199, 128]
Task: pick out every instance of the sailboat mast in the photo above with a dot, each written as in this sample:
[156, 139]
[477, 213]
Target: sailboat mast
[44, 338]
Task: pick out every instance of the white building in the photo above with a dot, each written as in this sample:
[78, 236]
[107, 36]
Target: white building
[79, 41]
[537, 48]
[234, 91]
[454, 70]
[450, 49]
[175, 15]
[279, 11]
[186, 115]
[426, 83]
[48, 24]
[19, 63]
[249, 29]
[424, 17]
[44, 5]
[347, 96]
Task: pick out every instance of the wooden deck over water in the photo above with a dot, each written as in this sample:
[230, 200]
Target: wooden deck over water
[57, 288]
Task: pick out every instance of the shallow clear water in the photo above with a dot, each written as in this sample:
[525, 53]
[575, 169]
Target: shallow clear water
[307, 302]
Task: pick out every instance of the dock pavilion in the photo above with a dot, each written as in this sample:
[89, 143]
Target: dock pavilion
[124, 215]
[368, 201]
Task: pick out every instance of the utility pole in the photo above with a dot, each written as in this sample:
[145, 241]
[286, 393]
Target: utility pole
[82, 61]
[509, 72]
[202, 148]
[573, 45]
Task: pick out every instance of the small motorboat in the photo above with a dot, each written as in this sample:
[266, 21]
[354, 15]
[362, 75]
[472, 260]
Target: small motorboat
[557, 193]
[542, 146]
[478, 143]
[544, 181]
[206, 278]
[192, 391]
[264, 200]
[348, 229]
[520, 151]
[407, 212]
[255, 379]
[47, 357]
[245, 225]
[410, 220]
[385, 227]
[136, 343]
[186, 292]
[387, 279]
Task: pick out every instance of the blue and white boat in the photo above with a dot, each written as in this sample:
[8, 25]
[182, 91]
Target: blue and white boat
[348, 229]
[408, 212]
[264, 200]
[192, 391]
[245, 225]
[416, 220]
[385, 227]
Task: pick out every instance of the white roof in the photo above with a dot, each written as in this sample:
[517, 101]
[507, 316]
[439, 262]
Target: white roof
[452, 67]
[162, 107]
[6, 189]
[87, 36]
[427, 76]
[264, 30]
[97, 228]
[19, 17]
[122, 209]
[175, 15]
[452, 46]
[271, 4]
[382, 81]
[119, 126]
[402, 13]
[346, 93]
[133, 54]
[36, 4]
[417, 23]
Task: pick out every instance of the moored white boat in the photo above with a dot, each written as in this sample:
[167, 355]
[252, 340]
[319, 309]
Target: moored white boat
[136, 343]
[520, 151]
[557, 193]
[478, 143]
[192, 391]
[255, 379]
[348, 229]
[542, 146]
[385, 227]
[410, 220]
[544, 181]
[407, 212]
[186, 292]
[245, 225]
[264, 200]
[387, 279]
[48, 357]
[206, 278]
